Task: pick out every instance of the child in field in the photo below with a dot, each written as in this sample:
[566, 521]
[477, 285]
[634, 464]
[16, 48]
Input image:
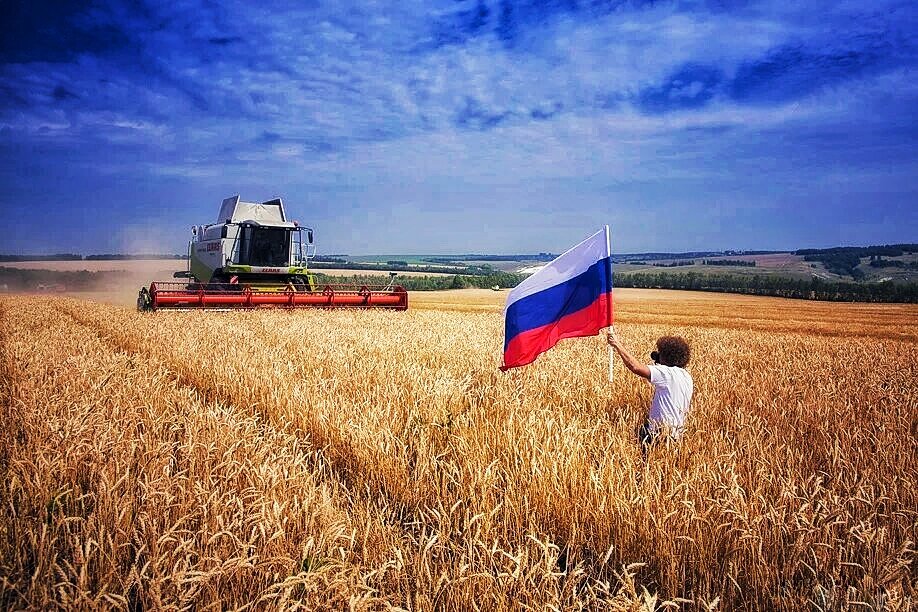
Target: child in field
[673, 387]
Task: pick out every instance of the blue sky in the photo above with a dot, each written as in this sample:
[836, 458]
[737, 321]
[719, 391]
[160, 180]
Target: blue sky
[456, 126]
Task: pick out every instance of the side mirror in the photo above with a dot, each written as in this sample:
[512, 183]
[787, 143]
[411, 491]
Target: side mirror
[309, 236]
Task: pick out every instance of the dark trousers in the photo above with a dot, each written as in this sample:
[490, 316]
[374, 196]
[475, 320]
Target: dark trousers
[649, 437]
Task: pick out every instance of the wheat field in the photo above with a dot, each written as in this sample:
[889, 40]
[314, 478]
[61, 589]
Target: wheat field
[379, 460]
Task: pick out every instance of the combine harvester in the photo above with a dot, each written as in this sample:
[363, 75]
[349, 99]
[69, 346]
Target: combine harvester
[253, 257]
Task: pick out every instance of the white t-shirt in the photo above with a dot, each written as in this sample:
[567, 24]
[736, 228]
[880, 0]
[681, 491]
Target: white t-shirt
[672, 395]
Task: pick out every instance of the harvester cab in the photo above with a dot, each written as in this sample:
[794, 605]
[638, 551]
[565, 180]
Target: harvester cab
[251, 243]
[253, 256]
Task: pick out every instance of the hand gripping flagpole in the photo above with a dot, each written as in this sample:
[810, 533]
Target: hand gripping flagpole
[609, 300]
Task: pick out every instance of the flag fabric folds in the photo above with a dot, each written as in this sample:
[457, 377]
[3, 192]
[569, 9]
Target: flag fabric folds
[568, 298]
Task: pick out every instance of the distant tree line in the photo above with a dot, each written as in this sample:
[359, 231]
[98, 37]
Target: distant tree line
[878, 262]
[676, 264]
[643, 258]
[387, 267]
[844, 261]
[404, 266]
[485, 257]
[430, 283]
[631, 258]
[887, 250]
[449, 261]
[779, 286]
[728, 262]
[753, 252]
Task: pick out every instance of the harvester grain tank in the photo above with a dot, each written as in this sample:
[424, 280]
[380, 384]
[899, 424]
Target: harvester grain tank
[253, 257]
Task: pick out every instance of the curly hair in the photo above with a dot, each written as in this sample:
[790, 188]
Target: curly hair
[674, 351]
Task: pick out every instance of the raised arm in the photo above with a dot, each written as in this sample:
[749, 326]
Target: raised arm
[628, 359]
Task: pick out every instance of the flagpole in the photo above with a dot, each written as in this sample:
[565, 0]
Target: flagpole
[609, 300]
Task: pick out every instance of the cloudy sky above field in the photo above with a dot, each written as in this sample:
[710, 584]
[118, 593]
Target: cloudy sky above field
[455, 126]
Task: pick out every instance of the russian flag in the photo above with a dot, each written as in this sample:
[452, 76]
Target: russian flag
[568, 298]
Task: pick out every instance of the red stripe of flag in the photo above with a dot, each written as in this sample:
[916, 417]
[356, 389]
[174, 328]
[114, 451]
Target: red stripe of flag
[526, 346]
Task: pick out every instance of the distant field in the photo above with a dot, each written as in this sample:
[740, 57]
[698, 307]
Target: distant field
[132, 266]
[772, 260]
[781, 264]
